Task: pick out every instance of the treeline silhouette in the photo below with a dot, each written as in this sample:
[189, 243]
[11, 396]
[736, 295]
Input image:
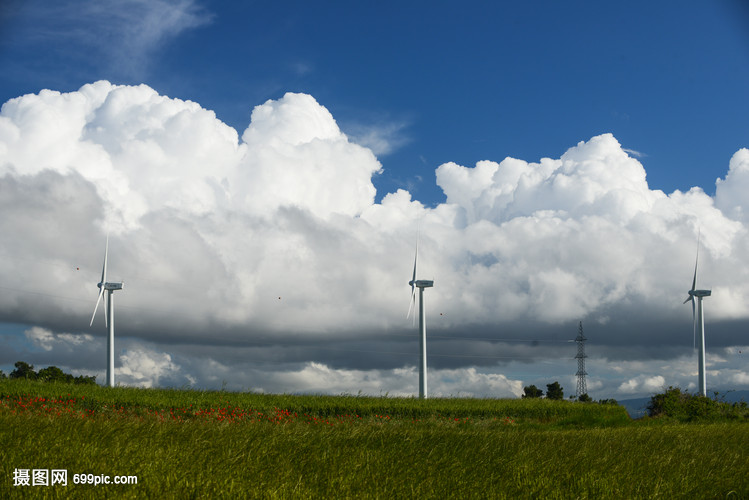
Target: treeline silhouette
[50, 374]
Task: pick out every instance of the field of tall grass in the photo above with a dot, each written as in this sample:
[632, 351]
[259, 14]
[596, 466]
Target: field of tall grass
[203, 444]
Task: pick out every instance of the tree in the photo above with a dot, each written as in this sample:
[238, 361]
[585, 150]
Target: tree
[23, 370]
[54, 374]
[584, 398]
[554, 391]
[83, 379]
[532, 392]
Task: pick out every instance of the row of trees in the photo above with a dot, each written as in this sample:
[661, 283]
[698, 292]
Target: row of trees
[553, 391]
[50, 374]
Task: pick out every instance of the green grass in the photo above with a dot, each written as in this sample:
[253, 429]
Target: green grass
[358, 447]
[105, 400]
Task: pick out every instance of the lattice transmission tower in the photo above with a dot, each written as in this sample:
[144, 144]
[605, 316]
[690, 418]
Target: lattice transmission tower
[582, 387]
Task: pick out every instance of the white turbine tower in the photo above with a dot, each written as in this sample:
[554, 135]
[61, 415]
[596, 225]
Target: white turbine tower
[699, 320]
[109, 287]
[421, 285]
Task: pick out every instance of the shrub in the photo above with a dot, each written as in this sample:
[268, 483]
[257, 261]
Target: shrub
[83, 379]
[608, 402]
[689, 407]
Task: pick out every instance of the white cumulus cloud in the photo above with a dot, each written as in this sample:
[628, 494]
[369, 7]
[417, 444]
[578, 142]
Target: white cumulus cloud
[148, 368]
[272, 238]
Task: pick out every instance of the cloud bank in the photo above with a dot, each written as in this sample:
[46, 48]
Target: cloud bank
[271, 244]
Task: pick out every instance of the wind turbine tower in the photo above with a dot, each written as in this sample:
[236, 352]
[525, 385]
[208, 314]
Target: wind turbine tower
[699, 320]
[582, 386]
[421, 285]
[109, 287]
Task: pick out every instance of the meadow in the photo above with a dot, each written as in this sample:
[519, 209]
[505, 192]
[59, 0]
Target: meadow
[214, 444]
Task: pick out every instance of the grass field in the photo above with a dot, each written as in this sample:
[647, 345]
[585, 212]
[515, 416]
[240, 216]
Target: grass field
[193, 444]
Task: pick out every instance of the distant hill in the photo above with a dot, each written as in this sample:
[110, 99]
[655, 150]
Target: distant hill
[638, 407]
[635, 407]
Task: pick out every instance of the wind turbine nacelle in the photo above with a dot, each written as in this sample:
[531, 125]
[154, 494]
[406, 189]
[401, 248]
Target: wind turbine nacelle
[113, 286]
[422, 283]
[700, 293]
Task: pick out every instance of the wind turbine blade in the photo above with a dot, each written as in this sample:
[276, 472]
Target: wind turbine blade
[694, 280]
[413, 279]
[106, 310]
[416, 258]
[411, 302]
[101, 292]
[104, 268]
[694, 326]
[412, 309]
[696, 260]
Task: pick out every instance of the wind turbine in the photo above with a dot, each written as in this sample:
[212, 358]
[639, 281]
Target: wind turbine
[109, 287]
[698, 319]
[421, 285]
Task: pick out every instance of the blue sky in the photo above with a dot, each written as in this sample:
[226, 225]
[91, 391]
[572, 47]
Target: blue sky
[322, 135]
[444, 82]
